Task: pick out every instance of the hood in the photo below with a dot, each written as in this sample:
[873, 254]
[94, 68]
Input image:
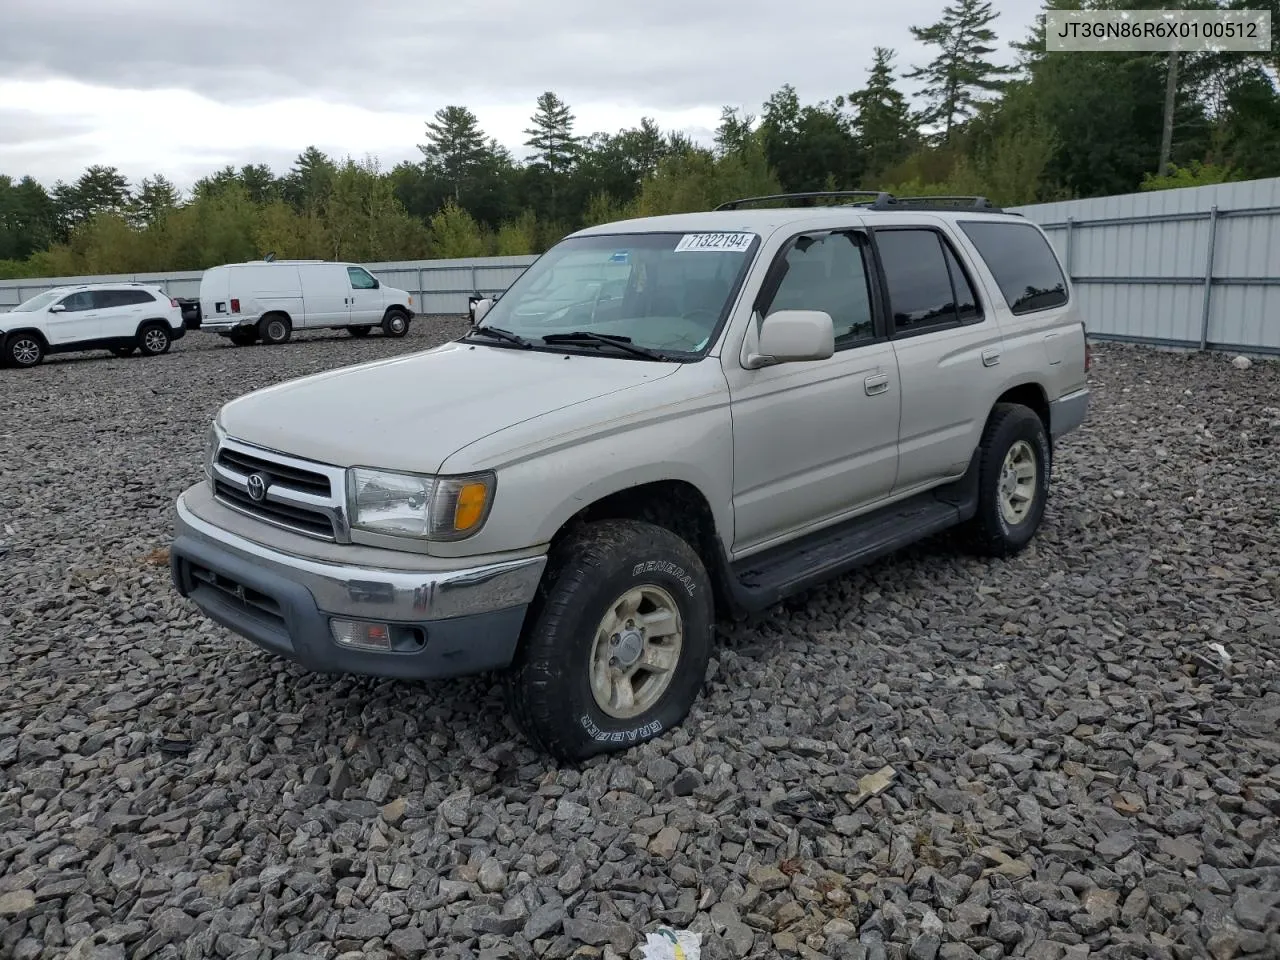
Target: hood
[410, 413]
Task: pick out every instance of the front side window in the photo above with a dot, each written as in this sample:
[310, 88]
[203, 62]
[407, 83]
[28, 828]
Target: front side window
[361, 279]
[79, 301]
[1022, 262]
[666, 292]
[829, 274]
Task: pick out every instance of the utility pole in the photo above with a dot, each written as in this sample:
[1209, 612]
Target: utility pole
[1170, 97]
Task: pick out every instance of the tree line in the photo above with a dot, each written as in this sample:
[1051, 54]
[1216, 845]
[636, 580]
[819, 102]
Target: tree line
[1047, 127]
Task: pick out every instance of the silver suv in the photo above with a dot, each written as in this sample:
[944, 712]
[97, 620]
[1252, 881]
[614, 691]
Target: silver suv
[663, 421]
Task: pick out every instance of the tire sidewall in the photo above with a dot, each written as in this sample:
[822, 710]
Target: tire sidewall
[1027, 427]
[683, 578]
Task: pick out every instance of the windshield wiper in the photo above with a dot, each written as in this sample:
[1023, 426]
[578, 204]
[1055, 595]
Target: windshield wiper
[498, 333]
[587, 337]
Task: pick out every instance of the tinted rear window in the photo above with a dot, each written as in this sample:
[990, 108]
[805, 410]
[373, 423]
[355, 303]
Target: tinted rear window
[1022, 262]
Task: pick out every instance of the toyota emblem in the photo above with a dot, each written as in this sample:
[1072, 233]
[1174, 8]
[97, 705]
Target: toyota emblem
[257, 485]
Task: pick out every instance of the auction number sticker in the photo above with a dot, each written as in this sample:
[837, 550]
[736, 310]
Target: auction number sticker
[722, 242]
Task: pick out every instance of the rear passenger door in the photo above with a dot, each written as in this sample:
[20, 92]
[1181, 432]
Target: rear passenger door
[948, 346]
[1043, 334]
[815, 441]
[122, 311]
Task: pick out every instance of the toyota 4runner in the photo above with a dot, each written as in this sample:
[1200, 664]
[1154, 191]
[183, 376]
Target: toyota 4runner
[661, 422]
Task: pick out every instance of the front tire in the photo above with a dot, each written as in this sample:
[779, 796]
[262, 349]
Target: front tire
[617, 643]
[275, 328]
[395, 323]
[23, 350]
[1014, 464]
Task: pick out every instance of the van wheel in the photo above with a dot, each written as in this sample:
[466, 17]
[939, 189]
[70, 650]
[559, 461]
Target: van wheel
[616, 644]
[358, 332]
[1013, 481]
[23, 350]
[155, 339]
[395, 323]
[275, 328]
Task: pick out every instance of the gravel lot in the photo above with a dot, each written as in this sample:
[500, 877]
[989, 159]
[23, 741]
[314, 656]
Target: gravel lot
[1084, 738]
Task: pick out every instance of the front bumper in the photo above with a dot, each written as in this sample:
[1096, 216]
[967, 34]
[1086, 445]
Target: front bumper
[444, 623]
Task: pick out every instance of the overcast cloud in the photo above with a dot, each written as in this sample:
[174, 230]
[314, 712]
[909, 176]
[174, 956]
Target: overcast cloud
[183, 87]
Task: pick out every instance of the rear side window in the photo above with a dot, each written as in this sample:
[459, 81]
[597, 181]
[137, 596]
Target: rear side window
[927, 287]
[121, 298]
[1022, 262]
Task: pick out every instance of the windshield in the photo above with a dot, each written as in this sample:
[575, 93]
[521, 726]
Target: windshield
[666, 292]
[37, 302]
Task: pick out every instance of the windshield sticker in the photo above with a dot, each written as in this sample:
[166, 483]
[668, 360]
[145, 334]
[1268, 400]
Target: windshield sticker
[716, 242]
[620, 257]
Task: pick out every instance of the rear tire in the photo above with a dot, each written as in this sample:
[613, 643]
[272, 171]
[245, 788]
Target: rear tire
[395, 323]
[579, 653]
[275, 328]
[23, 350]
[1014, 464]
[155, 339]
[358, 332]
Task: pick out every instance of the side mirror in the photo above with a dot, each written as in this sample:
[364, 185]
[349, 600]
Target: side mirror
[480, 309]
[791, 336]
[58, 308]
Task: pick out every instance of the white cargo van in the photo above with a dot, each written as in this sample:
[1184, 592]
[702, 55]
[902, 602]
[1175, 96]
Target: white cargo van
[268, 299]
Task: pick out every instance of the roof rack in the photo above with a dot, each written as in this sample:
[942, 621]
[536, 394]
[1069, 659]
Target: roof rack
[887, 201]
[876, 195]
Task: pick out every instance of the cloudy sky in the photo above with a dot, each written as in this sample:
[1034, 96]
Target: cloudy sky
[183, 87]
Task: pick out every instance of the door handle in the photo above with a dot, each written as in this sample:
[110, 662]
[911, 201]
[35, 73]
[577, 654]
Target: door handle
[990, 358]
[876, 385]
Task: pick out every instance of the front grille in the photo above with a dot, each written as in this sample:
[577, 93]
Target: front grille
[296, 518]
[302, 496]
[297, 478]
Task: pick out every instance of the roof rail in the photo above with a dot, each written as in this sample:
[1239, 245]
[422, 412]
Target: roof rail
[877, 195]
[887, 201]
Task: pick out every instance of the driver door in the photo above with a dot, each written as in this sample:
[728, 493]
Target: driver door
[80, 319]
[366, 296]
[816, 440]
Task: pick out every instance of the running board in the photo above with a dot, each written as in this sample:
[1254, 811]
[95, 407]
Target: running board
[761, 580]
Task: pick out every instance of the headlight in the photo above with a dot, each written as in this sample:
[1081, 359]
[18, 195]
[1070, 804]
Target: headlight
[212, 438]
[412, 505]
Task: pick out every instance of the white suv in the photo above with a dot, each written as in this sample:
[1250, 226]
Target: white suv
[120, 317]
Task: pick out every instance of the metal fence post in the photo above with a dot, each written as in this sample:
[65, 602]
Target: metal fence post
[1070, 223]
[474, 282]
[422, 291]
[1208, 277]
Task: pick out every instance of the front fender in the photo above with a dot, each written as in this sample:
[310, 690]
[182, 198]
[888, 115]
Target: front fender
[552, 467]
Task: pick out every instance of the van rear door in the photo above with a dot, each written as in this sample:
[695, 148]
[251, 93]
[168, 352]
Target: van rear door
[326, 294]
[214, 294]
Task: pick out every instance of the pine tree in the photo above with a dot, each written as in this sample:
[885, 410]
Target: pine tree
[956, 78]
[455, 146]
[734, 131]
[883, 121]
[551, 137]
[552, 140]
[157, 196]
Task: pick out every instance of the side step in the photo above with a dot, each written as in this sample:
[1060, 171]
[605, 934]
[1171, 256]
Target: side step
[759, 581]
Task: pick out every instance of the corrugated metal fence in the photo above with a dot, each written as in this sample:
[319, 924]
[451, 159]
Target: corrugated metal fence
[438, 286]
[1197, 267]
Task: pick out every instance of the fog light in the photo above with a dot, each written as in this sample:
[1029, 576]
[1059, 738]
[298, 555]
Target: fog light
[362, 635]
